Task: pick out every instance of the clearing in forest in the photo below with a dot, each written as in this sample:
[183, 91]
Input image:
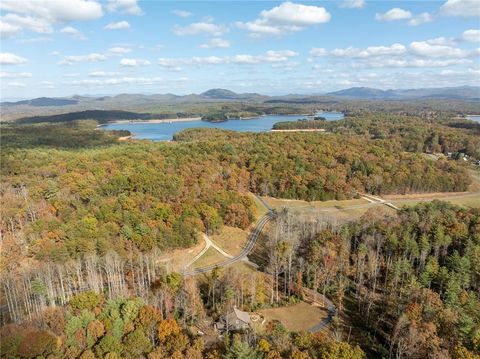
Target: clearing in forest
[295, 318]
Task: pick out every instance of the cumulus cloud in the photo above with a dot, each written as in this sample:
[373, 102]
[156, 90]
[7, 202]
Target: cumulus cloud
[285, 18]
[19, 22]
[56, 10]
[423, 18]
[461, 8]
[394, 14]
[182, 13]
[118, 50]
[93, 57]
[121, 25]
[103, 74]
[316, 51]
[40, 16]
[124, 6]
[448, 41]
[216, 43]
[170, 64]
[353, 4]
[15, 84]
[472, 35]
[8, 30]
[14, 75]
[371, 51]
[412, 63]
[272, 57]
[116, 81]
[73, 33]
[200, 28]
[423, 48]
[134, 62]
[7, 58]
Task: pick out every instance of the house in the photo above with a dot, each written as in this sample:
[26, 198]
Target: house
[235, 320]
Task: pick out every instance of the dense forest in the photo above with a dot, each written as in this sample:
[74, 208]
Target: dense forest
[409, 282]
[85, 218]
[405, 285]
[441, 135]
[68, 203]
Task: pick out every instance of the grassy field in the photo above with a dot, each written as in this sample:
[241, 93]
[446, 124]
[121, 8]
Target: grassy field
[211, 256]
[292, 203]
[331, 211]
[466, 200]
[295, 318]
[231, 240]
[177, 259]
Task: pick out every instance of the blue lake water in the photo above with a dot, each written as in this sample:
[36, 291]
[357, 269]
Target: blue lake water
[474, 118]
[165, 131]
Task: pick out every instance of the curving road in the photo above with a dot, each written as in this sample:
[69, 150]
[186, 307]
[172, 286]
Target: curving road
[246, 251]
[331, 308]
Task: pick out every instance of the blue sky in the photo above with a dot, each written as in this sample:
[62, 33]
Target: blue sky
[66, 47]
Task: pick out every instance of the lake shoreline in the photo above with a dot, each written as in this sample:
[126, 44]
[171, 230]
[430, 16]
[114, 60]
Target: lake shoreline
[166, 120]
[164, 129]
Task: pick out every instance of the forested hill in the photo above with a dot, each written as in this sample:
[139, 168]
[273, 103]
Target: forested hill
[70, 203]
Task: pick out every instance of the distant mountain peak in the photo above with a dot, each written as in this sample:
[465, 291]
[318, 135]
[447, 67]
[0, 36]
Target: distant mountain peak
[219, 93]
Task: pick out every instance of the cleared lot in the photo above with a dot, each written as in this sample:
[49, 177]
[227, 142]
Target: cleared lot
[295, 318]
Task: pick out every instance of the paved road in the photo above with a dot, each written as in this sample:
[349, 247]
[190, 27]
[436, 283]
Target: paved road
[246, 251]
[331, 308]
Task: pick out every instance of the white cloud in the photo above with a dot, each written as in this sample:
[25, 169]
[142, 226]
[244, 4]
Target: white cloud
[423, 18]
[285, 18]
[56, 10]
[72, 32]
[124, 6]
[240, 59]
[441, 41]
[423, 48]
[134, 62]
[371, 51]
[93, 57]
[7, 58]
[471, 35]
[316, 51]
[412, 63]
[170, 64]
[182, 13]
[39, 25]
[121, 25]
[8, 30]
[394, 15]
[40, 16]
[116, 81]
[395, 49]
[296, 14]
[462, 8]
[15, 84]
[14, 75]
[200, 28]
[353, 4]
[117, 50]
[103, 74]
[216, 43]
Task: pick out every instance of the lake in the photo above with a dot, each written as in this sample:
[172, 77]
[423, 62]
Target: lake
[475, 118]
[165, 131]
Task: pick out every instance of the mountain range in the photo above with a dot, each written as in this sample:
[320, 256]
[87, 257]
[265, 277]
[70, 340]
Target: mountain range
[355, 93]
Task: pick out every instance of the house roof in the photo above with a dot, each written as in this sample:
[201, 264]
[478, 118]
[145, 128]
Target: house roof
[243, 316]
